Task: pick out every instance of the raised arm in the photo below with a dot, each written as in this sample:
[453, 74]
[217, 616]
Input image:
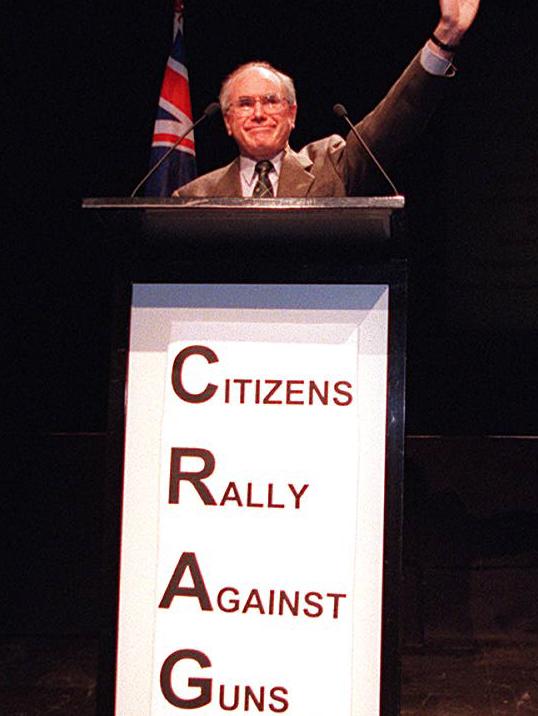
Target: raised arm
[398, 120]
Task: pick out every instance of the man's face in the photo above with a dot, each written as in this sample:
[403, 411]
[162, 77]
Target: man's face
[260, 135]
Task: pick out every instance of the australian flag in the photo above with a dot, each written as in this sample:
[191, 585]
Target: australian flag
[174, 116]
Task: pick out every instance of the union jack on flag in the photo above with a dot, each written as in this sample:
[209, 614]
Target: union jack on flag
[174, 115]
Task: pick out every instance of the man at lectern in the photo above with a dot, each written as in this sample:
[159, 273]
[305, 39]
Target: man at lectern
[259, 108]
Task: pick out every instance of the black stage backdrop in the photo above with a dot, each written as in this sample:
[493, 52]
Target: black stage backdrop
[81, 92]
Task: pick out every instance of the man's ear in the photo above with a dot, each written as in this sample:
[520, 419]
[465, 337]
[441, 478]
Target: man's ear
[294, 115]
[227, 124]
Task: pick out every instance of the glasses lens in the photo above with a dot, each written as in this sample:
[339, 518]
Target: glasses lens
[271, 104]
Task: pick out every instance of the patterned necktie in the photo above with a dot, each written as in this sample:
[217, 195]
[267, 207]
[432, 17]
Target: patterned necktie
[263, 187]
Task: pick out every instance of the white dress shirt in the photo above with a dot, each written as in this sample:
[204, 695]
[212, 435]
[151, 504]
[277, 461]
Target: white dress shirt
[249, 177]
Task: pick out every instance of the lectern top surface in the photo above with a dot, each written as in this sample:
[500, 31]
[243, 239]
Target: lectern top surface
[384, 203]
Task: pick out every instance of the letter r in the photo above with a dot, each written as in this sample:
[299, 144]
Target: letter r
[195, 478]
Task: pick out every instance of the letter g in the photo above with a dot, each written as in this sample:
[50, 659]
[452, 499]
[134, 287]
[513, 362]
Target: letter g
[203, 698]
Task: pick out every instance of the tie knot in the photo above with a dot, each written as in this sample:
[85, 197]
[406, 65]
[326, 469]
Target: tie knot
[264, 167]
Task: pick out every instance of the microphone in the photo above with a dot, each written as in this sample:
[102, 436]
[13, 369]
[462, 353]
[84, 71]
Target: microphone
[208, 112]
[341, 112]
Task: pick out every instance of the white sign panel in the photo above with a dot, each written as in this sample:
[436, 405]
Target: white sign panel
[253, 503]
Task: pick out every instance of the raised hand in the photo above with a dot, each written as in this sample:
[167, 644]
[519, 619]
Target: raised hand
[457, 16]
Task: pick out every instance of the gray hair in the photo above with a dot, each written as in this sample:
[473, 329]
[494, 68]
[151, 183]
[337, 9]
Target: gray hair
[287, 83]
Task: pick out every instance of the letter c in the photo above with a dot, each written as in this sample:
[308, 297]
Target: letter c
[177, 383]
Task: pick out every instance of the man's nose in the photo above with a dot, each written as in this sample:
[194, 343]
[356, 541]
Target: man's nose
[259, 109]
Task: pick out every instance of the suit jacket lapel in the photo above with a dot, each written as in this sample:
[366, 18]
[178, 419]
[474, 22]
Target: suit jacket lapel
[229, 183]
[295, 177]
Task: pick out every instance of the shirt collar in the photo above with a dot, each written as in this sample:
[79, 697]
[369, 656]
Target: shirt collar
[247, 168]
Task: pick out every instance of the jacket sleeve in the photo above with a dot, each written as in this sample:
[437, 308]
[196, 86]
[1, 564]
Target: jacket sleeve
[391, 127]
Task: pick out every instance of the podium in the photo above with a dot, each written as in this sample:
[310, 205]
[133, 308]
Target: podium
[253, 511]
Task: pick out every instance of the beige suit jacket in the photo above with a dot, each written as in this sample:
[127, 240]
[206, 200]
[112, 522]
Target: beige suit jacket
[337, 167]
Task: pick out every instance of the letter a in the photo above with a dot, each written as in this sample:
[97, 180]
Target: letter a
[187, 561]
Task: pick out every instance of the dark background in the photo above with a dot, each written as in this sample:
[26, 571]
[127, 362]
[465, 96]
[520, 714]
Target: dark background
[81, 92]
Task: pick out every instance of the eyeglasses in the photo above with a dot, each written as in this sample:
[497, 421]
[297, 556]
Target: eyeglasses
[271, 104]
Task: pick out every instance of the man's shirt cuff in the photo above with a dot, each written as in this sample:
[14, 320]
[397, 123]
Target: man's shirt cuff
[436, 65]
